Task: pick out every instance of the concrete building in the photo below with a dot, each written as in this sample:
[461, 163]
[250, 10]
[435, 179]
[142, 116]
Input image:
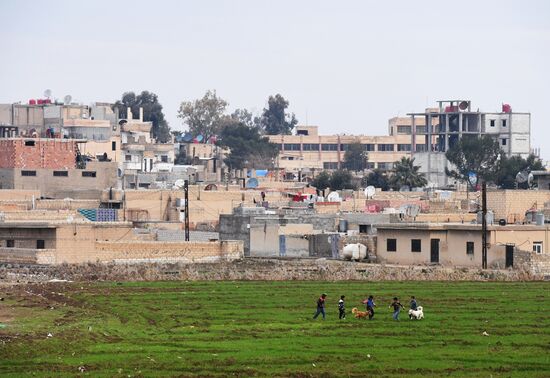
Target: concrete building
[294, 233]
[52, 166]
[307, 152]
[80, 242]
[453, 120]
[457, 244]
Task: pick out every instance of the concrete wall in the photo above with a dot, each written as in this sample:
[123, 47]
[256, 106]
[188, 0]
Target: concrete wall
[452, 248]
[74, 185]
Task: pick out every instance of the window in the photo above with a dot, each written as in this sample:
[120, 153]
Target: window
[280, 147]
[330, 165]
[369, 147]
[385, 147]
[113, 146]
[469, 248]
[29, 143]
[403, 130]
[391, 245]
[310, 147]
[503, 123]
[10, 243]
[60, 173]
[421, 129]
[416, 245]
[370, 165]
[292, 146]
[403, 147]
[537, 247]
[40, 244]
[420, 148]
[28, 173]
[88, 174]
[164, 158]
[329, 147]
[302, 132]
[492, 123]
[344, 147]
[363, 228]
[385, 166]
[128, 157]
[504, 141]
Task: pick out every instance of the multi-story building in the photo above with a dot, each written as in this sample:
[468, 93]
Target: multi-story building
[308, 152]
[454, 119]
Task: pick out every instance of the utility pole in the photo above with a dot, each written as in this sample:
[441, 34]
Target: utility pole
[186, 208]
[483, 224]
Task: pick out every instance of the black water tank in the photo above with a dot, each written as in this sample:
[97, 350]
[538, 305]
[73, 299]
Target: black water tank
[502, 222]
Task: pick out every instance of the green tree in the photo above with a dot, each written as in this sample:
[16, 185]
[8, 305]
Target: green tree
[204, 116]
[377, 178]
[511, 166]
[473, 154]
[356, 157]
[321, 181]
[152, 112]
[341, 179]
[275, 120]
[405, 173]
[248, 148]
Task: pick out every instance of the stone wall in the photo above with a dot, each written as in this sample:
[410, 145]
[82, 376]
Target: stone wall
[256, 269]
[536, 263]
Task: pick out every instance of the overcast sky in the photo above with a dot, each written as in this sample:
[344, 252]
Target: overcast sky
[346, 66]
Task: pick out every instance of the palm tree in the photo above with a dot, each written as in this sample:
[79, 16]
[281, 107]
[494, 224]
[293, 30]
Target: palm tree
[406, 173]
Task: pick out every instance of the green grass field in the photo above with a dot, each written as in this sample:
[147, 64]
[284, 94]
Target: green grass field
[265, 329]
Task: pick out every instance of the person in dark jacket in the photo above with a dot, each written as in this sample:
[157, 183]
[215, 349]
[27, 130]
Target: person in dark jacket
[320, 306]
[341, 308]
[370, 306]
[397, 306]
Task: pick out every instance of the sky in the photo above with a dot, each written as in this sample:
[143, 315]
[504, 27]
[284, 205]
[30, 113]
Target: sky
[346, 66]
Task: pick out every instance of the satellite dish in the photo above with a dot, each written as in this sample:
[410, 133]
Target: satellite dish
[463, 105]
[472, 178]
[179, 184]
[334, 197]
[413, 211]
[369, 191]
[67, 99]
[522, 177]
[48, 93]
[252, 183]
[199, 138]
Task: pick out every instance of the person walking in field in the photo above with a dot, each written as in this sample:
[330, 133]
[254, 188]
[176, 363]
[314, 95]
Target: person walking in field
[397, 306]
[413, 305]
[320, 306]
[341, 308]
[370, 306]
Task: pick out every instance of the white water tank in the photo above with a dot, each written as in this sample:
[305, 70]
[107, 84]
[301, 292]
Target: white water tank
[356, 251]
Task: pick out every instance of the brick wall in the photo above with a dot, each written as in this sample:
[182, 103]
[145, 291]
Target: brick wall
[512, 204]
[536, 264]
[44, 153]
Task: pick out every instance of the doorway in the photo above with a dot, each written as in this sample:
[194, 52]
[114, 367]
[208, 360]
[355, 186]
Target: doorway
[509, 256]
[434, 250]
